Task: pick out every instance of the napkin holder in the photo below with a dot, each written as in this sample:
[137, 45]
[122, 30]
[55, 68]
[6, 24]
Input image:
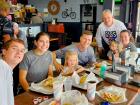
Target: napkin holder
[115, 75]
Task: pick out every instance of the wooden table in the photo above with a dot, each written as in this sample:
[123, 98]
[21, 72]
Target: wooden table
[132, 87]
[27, 97]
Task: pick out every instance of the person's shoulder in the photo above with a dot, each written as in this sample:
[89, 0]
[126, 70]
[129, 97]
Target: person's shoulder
[1, 61]
[71, 46]
[29, 53]
[90, 49]
[48, 52]
[118, 21]
[101, 25]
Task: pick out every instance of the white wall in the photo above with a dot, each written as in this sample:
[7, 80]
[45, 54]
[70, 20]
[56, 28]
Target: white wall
[74, 4]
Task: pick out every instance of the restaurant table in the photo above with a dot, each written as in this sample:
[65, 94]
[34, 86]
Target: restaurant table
[26, 98]
[136, 76]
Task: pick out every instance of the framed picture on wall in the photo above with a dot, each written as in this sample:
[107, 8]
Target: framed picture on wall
[87, 13]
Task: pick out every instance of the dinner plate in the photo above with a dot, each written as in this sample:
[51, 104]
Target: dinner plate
[47, 102]
[38, 87]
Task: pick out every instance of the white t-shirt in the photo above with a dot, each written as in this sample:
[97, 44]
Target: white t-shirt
[6, 84]
[109, 33]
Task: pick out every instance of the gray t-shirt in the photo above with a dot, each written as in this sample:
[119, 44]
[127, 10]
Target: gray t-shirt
[36, 66]
[132, 48]
[84, 57]
[109, 33]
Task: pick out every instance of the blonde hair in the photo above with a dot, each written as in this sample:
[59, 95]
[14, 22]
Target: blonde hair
[113, 43]
[68, 54]
[4, 6]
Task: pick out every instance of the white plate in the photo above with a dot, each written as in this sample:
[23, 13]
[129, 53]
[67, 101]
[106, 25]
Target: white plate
[38, 87]
[47, 102]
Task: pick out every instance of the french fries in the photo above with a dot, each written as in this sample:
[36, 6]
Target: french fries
[111, 97]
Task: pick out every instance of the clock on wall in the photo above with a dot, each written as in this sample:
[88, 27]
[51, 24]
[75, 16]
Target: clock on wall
[53, 7]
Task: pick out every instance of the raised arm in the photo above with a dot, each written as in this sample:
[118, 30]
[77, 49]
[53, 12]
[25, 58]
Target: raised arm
[58, 66]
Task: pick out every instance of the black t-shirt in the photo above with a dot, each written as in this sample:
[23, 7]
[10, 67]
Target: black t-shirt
[6, 26]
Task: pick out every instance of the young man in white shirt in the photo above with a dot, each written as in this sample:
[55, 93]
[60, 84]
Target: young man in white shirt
[12, 53]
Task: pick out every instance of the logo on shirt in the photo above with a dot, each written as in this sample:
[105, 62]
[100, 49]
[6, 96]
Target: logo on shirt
[111, 35]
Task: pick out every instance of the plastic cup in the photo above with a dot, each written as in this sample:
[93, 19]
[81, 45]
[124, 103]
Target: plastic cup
[68, 84]
[91, 90]
[57, 90]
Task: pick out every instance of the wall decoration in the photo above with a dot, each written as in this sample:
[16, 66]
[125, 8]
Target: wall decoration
[53, 7]
[69, 13]
[88, 13]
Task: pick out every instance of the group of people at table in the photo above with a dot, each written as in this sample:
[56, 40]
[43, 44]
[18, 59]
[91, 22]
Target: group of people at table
[36, 65]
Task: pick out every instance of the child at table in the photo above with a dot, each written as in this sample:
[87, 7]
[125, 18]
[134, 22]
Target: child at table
[71, 63]
[114, 48]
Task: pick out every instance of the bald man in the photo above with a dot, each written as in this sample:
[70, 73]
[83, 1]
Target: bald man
[107, 31]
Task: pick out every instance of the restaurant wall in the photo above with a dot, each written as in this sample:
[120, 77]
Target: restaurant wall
[74, 4]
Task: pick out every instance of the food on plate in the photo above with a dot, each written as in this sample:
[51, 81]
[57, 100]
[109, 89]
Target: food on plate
[111, 97]
[83, 79]
[98, 65]
[48, 82]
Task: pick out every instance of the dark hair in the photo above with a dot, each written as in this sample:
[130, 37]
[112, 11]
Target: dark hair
[9, 42]
[41, 34]
[130, 35]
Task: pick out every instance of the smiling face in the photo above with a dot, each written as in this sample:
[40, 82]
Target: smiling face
[43, 43]
[14, 53]
[107, 18]
[125, 38]
[85, 41]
